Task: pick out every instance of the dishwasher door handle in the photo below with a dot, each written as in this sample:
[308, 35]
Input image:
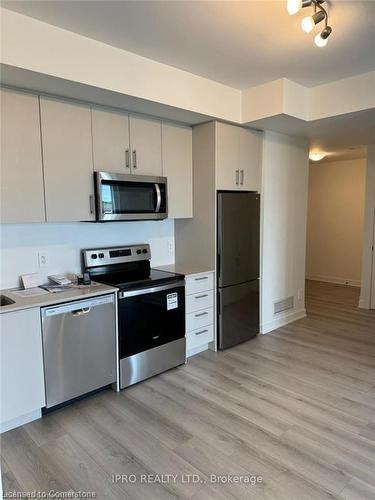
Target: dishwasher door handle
[81, 312]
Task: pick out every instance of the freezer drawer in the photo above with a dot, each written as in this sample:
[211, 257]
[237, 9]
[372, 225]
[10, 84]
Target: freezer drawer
[79, 348]
[238, 313]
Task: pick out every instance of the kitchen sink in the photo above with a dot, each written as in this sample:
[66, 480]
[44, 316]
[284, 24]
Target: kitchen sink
[5, 301]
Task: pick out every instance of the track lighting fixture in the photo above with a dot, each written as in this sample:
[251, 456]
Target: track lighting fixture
[308, 23]
[321, 39]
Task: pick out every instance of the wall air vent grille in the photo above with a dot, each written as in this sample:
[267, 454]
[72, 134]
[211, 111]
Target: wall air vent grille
[283, 305]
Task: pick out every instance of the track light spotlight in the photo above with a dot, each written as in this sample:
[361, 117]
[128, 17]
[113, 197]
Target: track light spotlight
[321, 39]
[308, 23]
[294, 6]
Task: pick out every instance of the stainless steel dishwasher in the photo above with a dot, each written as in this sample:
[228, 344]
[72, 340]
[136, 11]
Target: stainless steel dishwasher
[79, 348]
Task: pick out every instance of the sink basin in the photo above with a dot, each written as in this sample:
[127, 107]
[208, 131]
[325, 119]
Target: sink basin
[5, 301]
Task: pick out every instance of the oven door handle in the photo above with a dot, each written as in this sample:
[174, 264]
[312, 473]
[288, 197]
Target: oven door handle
[134, 293]
[158, 198]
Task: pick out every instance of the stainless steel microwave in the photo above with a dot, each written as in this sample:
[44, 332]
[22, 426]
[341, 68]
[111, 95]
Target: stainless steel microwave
[130, 197]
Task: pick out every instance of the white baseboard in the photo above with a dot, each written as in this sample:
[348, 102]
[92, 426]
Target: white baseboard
[22, 420]
[334, 279]
[196, 350]
[282, 320]
[364, 303]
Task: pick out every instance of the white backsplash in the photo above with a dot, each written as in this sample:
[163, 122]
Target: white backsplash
[21, 245]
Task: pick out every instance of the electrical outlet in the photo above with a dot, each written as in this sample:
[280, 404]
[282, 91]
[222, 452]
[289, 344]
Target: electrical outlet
[300, 294]
[43, 259]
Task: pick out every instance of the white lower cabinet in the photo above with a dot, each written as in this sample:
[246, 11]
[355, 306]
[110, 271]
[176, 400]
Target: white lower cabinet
[22, 376]
[198, 339]
[197, 283]
[200, 317]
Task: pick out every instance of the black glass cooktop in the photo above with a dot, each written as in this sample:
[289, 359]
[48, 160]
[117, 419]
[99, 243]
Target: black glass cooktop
[130, 281]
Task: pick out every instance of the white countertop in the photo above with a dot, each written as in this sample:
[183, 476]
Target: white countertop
[49, 299]
[186, 269]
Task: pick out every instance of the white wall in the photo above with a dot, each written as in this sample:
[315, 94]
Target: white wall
[32, 45]
[37, 46]
[284, 207]
[335, 221]
[62, 243]
[367, 298]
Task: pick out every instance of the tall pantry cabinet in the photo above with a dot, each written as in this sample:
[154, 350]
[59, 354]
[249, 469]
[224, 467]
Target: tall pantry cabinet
[225, 157]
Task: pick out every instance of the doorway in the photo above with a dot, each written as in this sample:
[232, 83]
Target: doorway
[335, 229]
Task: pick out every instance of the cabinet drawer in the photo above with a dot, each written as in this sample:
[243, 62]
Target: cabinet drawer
[199, 319]
[199, 337]
[198, 301]
[199, 283]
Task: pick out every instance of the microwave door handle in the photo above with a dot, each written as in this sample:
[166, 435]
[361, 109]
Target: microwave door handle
[158, 198]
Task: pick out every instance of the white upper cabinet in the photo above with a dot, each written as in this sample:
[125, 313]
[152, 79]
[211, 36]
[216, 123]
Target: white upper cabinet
[145, 144]
[178, 168]
[227, 156]
[238, 158]
[67, 158]
[22, 194]
[251, 152]
[111, 144]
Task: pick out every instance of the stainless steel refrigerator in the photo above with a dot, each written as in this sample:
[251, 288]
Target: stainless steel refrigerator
[238, 267]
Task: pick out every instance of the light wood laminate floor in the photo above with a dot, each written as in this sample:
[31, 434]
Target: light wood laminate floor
[296, 407]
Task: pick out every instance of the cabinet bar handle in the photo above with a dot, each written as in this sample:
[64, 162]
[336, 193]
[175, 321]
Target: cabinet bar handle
[201, 296]
[200, 333]
[134, 158]
[202, 278]
[127, 158]
[91, 201]
[242, 175]
[201, 314]
[237, 177]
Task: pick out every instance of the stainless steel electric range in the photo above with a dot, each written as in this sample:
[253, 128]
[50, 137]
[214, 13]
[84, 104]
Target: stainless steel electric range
[151, 310]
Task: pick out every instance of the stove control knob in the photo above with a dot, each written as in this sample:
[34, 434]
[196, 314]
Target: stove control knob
[139, 251]
[144, 250]
[94, 256]
[101, 256]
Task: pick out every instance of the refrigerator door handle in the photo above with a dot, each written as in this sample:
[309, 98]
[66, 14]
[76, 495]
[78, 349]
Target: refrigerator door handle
[218, 265]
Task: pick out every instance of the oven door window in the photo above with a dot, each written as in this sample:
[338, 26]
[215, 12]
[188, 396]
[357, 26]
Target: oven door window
[128, 197]
[150, 320]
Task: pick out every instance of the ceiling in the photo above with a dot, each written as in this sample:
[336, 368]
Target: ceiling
[343, 136]
[237, 43]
